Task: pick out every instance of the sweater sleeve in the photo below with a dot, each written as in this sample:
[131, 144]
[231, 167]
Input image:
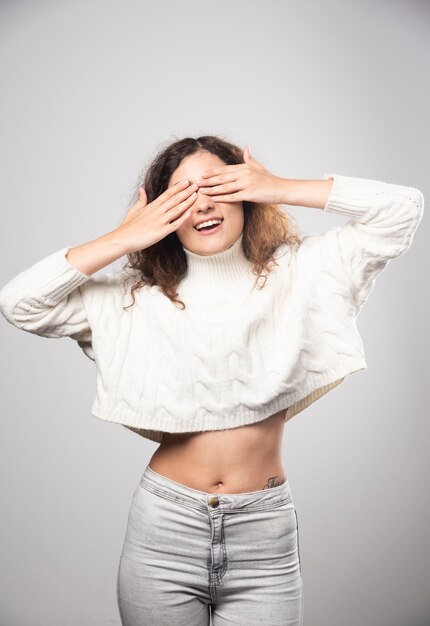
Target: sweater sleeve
[383, 220]
[45, 299]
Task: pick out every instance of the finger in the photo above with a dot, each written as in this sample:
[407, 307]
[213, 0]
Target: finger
[174, 189]
[142, 195]
[257, 164]
[177, 209]
[219, 179]
[184, 206]
[215, 171]
[179, 196]
[175, 224]
[251, 160]
[233, 197]
[221, 189]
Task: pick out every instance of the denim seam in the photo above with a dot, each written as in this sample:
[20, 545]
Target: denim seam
[165, 494]
[121, 616]
[265, 507]
[176, 499]
[298, 545]
[220, 573]
[224, 552]
[212, 579]
[300, 566]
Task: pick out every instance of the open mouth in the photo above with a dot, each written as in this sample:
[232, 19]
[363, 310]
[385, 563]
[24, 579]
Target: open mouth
[208, 230]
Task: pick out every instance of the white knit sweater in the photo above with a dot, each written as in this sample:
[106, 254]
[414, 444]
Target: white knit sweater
[234, 355]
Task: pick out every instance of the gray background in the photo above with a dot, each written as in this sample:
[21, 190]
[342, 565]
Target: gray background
[90, 90]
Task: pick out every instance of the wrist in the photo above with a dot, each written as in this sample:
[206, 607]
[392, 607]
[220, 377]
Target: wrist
[118, 240]
[308, 193]
[284, 191]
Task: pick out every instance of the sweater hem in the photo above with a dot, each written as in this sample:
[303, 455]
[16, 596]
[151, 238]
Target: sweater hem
[293, 402]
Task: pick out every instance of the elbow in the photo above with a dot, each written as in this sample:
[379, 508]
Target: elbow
[414, 209]
[6, 306]
[18, 313]
[416, 202]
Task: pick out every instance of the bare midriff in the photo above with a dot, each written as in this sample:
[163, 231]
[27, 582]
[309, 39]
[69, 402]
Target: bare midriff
[235, 460]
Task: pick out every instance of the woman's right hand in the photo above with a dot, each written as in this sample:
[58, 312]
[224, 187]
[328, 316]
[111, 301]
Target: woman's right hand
[145, 224]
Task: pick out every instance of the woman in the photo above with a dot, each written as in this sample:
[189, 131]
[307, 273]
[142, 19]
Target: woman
[211, 363]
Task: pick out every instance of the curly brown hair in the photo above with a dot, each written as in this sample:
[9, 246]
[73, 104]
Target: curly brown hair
[164, 263]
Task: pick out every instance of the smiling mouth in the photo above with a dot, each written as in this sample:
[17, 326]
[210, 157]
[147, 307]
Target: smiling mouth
[209, 229]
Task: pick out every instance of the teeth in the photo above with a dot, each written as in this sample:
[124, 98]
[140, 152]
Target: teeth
[208, 223]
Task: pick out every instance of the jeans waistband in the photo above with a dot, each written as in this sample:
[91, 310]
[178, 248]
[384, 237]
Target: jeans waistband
[264, 498]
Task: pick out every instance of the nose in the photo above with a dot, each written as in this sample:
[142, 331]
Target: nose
[203, 200]
[203, 203]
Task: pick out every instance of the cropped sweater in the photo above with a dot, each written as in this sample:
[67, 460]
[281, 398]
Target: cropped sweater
[237, 353]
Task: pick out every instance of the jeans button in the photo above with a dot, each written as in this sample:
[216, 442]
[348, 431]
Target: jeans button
[213, 501]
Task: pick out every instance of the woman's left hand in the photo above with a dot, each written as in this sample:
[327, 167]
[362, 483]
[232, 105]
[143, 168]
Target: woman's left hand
[244, 181]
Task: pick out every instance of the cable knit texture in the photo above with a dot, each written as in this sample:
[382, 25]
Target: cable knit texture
[237, 353]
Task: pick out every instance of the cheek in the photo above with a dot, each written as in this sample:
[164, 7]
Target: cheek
[236, 212]
[231, 208]
[185, 228]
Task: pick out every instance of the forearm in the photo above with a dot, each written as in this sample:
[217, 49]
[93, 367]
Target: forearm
[308, 193]
[96, 254]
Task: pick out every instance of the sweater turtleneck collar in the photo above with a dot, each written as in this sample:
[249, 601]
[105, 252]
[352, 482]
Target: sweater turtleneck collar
[222, 268]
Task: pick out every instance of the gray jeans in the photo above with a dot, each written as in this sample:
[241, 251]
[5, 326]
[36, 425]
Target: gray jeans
[191, 558]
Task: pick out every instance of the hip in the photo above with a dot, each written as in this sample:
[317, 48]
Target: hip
[210, 549]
